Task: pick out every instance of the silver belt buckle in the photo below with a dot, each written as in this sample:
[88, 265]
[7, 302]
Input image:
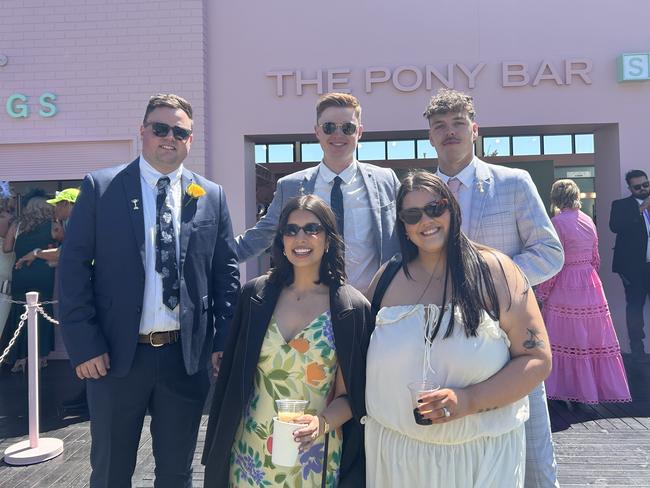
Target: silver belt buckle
[151, 339]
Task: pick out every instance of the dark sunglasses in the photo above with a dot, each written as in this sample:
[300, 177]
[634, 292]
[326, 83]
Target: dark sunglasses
[348, 128]
[413, 215]
[161, 130]
[642, 185]
[311, 229]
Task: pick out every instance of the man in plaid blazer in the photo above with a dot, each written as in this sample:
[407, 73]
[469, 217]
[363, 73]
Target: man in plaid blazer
[501, 208]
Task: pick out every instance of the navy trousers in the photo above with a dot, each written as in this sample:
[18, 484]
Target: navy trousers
[157, 382]
[637, 291]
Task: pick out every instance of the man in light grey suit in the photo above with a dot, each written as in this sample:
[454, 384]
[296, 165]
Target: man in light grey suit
[501, 208]
[361, 195]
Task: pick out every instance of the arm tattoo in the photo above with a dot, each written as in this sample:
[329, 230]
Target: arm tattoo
[533, 340]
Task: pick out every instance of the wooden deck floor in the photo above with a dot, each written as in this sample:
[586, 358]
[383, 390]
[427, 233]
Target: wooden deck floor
[603, 446]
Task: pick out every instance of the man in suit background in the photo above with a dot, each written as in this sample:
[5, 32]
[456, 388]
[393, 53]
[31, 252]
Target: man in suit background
[630, 221]
[501, 208]
[361, 195]
[148, 280]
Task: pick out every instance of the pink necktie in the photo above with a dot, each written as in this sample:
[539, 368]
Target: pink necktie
[454, 186]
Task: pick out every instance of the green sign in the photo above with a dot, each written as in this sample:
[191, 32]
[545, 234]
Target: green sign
[634, 67]
[17, 105]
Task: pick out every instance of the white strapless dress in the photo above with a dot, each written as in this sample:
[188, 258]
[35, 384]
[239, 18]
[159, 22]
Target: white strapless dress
[483, 450]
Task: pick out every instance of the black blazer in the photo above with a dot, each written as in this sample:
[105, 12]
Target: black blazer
[101, 270]
[351, 322]
[628, 224]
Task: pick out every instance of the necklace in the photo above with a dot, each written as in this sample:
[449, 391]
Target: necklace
[304, 294]
[431, 279]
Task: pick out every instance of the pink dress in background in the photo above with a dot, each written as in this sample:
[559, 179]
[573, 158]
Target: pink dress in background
[587, 364]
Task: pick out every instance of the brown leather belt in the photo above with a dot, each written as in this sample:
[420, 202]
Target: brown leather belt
[157, 339]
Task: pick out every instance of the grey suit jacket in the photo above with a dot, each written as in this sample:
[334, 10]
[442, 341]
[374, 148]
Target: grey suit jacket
[508, 215]
[381, 183]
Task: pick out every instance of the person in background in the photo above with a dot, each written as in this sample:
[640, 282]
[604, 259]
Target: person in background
[299, 332]
[6, 262]
[30, 233]
[630, 221]
[502, 209]
[464, 317]
[587, 364]
[63, 203]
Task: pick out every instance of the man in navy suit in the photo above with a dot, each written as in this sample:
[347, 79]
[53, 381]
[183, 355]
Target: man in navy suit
[630, 221]
[148, 280]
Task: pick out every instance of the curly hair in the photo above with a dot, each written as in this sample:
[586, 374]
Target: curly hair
[35, 213]
[332, 266]
[449, 101]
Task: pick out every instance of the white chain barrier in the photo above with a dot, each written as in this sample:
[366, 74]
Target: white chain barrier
[36, 449]
[23, 318]
[21, 324]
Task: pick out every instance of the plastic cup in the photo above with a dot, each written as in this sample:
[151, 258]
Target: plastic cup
[289, 409]
[417, 389]
[285, 448]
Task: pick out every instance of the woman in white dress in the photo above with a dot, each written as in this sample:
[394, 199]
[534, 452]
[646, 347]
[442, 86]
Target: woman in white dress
[461, 316]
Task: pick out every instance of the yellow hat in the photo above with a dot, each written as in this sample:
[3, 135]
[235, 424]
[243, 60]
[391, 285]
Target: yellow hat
[67, 195]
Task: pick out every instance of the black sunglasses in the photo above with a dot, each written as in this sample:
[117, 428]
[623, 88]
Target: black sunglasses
[310, 229]
[641, 185]
[161, 130]
[348, 128]
[413, 215]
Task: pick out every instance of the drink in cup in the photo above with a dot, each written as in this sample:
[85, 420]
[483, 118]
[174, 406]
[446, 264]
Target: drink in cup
[289, 409]
[417, 389]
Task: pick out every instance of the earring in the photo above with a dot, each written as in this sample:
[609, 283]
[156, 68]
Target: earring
[284, 253]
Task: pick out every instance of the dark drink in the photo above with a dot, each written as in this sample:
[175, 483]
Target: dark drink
[419, 419]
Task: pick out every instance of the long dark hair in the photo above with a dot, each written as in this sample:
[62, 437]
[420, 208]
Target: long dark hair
[332, 266]
[472, 286]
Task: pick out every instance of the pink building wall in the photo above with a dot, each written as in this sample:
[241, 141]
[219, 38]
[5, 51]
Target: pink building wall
[104, 59]
[294, 35]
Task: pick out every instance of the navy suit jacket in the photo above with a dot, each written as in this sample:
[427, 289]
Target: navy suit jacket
[628, 224]
[101, 270]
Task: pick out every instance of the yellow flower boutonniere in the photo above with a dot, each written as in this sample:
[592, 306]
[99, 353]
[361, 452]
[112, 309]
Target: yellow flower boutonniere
[195, 191]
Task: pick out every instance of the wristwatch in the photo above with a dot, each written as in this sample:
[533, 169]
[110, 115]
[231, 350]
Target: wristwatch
[36, 251]
[326, 425]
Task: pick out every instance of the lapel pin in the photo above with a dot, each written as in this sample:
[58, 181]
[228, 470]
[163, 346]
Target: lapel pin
[135, 204]
[479, 185]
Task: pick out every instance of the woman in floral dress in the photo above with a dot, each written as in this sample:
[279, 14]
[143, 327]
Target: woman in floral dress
[299, 333]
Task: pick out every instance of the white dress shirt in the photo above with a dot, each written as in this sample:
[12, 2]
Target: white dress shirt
[646, 219]
[467, 178]
[361, 259]
[156, 317]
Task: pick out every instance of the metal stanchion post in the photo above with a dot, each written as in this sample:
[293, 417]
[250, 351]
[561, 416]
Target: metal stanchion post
[35, 449]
